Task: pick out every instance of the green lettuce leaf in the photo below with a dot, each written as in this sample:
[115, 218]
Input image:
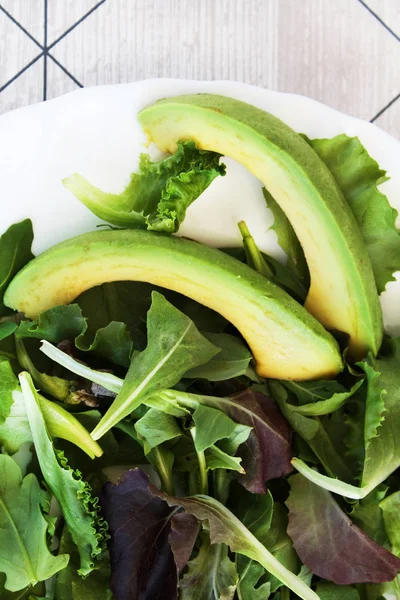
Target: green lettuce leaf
[359, 176]
[174, 346]
[158, 195]
[79, 508]
[390, 508]
[211, 574]
[15, 252]
[27, 559]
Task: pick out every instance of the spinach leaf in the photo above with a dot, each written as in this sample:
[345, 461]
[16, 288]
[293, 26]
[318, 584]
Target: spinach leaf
[158, 195]
[331, 591]
[359, 176]
[148, 544]
[174, 345]
[79, 508]
[231, 361]
[28, 559]
[329, 543]
[157, 427]
[15, 252]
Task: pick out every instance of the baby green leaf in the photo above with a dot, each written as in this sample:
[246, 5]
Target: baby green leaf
[27, 559]
[231, 361]
[213, 425]
[157, 427]
[79, 508]
[226, 528]
[174, 345]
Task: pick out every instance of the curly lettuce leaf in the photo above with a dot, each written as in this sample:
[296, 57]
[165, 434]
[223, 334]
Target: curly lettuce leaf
[79, 508]
[158, 195]
[27, 559]
[359, 175]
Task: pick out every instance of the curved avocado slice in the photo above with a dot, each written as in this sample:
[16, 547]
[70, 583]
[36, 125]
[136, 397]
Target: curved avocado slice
[343, 293]
[286, 341]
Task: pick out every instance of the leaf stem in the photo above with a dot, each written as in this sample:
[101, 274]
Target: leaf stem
[328, 483]
[285, 593]
[163, 471]
[201, 457]
[253, 255]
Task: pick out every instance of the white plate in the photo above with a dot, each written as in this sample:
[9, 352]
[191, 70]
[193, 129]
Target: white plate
[94, 132]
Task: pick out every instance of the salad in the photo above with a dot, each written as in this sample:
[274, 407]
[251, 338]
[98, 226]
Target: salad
[184, 422]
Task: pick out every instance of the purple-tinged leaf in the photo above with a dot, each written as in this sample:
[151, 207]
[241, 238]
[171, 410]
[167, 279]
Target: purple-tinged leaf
[267, 453]
[329, 543]
[143, 528]
[184, 530]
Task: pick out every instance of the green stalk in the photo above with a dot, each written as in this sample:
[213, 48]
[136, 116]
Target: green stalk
[253, 255]
[201, 457]
[163, 471]
[329, 483]
[285, 593]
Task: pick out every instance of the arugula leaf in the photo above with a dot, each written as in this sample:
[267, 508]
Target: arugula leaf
[329, 543]
[288, 240]
[225, 528]
[70, 585]
[79, 508]
[15, 252]
[27, 559]
[211, 574]
[358, 176]
[55, 325]
[174, 345]
[231, 361]
[314, 433]
[158, 195]
[142, 537]
[113, 341]
[317, 398]
[7, 328]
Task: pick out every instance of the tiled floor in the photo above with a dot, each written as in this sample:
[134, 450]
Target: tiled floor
[345, 53]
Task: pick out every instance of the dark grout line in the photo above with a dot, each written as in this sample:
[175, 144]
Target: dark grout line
[385, 108]
[3, 87]
[85, 16]
[45, 53]
[30, 36]
[65, 70]
[377, 17]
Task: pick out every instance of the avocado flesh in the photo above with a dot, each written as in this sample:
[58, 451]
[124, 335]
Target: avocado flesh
[286, 341]
[343, 293]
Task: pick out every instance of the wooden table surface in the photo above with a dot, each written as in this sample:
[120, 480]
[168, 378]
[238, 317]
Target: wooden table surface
[345, 53]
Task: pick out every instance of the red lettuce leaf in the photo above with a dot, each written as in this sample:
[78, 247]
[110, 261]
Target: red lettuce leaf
[267, 452]
[149, 541]
[329, 543]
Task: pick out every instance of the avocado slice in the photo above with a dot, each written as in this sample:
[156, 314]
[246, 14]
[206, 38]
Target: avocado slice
[343, 294]
[286, 341]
